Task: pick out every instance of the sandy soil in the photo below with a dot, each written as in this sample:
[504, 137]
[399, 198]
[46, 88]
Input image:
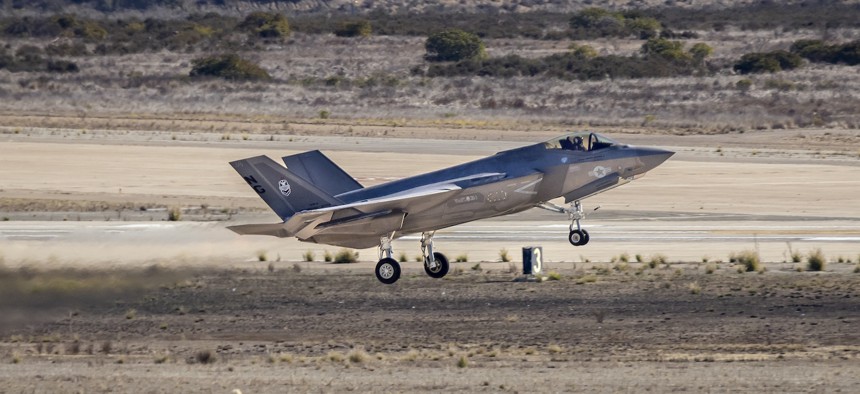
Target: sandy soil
[319, 327]
[594, 330]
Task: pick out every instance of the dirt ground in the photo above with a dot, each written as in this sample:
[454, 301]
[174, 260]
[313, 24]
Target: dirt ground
[188, 308]
[599, 328]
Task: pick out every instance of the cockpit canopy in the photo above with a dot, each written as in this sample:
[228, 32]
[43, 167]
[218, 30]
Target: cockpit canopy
[580, 141]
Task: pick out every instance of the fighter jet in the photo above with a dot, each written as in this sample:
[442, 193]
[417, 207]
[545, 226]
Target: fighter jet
[319, 202]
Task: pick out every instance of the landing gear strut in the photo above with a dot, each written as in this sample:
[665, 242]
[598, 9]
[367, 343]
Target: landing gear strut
[435, 263]
[388, 269]
[578, 236]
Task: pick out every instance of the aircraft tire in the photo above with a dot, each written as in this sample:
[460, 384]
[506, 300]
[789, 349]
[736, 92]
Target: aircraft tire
[578, 237]
[442, 267]
[387, 270]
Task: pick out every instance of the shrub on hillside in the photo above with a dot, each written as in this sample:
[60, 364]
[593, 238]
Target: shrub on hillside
[760, 62]
[700, 52]
[66, 49]
[667, 49]
[266, 25]
[454, 45]
[568, 66]
[228, 66]
[354, 29]
[819, 51]
[597, 22]
[62, 66]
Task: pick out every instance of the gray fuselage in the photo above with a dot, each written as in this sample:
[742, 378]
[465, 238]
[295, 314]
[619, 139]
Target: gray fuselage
[516, 180]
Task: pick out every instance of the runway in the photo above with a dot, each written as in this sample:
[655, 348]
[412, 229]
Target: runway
[196, 243]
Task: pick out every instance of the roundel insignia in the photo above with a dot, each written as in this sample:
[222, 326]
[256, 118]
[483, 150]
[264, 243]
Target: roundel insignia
[599, 172]
[284, 187]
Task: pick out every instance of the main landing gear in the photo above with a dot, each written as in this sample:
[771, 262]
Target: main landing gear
[388, 269]
[577, 236]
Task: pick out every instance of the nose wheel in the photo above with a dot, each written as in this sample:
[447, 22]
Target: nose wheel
[578, 237]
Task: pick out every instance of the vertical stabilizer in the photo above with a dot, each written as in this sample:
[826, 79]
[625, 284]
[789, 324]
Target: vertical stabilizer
[284, 192]
[318, 169]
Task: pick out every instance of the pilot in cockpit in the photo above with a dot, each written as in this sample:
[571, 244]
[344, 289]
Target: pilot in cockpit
[572, 143]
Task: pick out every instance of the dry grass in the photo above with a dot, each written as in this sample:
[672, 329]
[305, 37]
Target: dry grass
[204, 357]
[748, 260]
[358, 356]
[30, 286]
[816, 261]
[346, 256]
[694, 287]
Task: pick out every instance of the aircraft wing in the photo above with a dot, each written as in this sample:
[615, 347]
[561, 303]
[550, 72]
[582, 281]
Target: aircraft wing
[360, 224]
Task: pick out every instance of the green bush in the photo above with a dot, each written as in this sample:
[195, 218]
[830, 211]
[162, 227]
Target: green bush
[227, 66]
[744, 84]
[760, 62]
[266, 25]
[567, 66]
[597, 22]
[813, 50]
[644, 27]
[454, 45]
[700, 52]
[583, 51]
[667, 49]
[819, 51]
[354, 29]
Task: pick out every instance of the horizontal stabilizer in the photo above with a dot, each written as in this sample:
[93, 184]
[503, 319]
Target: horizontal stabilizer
[274, 229]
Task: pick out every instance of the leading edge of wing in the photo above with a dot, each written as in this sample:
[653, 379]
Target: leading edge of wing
[421, 191]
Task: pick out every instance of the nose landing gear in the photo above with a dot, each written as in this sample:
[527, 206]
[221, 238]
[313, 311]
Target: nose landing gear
[577, 236]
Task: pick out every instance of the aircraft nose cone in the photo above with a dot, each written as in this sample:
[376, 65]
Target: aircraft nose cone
[653, 157]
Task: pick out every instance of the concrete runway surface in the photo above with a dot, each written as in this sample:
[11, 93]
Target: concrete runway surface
[681, 240]
[698, 204]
